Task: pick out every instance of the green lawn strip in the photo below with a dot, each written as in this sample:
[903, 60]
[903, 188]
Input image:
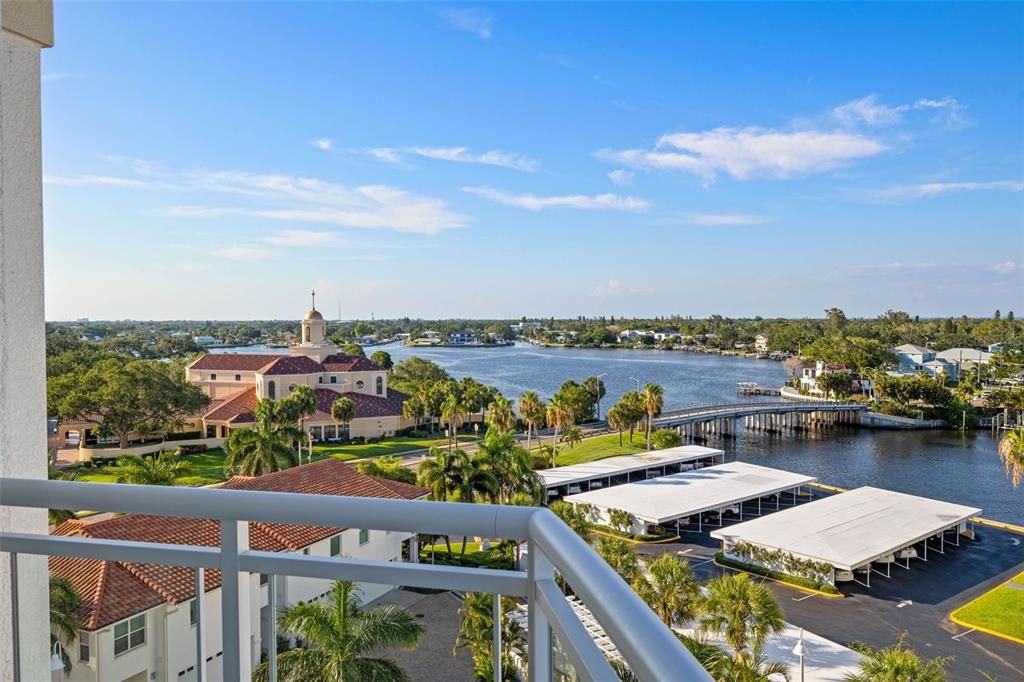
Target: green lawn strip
[597, 447]
[207, 467]
[391, 446]
[998, 610]
[474, 557]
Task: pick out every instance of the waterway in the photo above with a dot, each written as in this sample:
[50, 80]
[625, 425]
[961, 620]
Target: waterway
[961, 468]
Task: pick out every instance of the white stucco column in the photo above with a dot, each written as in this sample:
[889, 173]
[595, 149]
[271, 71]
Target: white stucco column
[25, 27]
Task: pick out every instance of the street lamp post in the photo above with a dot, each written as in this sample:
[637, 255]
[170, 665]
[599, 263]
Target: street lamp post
[637, 383]
[801, 650]
[597, 390]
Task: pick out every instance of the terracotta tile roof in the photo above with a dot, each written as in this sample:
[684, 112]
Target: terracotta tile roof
[114, 590]
[236, 408]
[339, 362]
[246, 362]
[366, 405]
[293, 364]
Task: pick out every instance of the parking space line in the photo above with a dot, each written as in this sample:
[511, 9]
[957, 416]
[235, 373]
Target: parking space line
[957, 637]
[802, 598]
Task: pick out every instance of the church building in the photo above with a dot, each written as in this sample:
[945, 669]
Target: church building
[236, 382]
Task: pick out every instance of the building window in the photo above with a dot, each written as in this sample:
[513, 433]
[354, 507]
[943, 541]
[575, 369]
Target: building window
[129, 634]
[364, 536]
[319, 380]
[238, 377]
[334, 380]
[213, 377]
[83, 647]
[193, 612]
[264, 578]
[360, 384]
[271, 390]
[336, 545]
[380, 385]
[305, 551]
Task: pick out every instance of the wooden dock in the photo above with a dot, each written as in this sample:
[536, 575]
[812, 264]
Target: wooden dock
[751, 388]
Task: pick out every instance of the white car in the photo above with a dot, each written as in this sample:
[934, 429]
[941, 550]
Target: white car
[574, 489]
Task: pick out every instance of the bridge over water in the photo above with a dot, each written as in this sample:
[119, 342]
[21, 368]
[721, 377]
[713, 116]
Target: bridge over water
[772, 417]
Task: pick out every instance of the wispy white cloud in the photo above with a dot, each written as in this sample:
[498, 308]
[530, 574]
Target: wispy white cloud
[722, 219]
[304, 238]
[59, 76]
[871, 111]
[493, 157]
[744, 153]
[385, 154]
[1007, 267]
[621, 177]
[247, 253]
[536, 202]
[99, 180]
[614, 287]
[324, 143]
[473, 21]
[934, 189]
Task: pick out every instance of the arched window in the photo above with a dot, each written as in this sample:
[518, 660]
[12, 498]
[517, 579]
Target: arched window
[380, 385]
[271, 390]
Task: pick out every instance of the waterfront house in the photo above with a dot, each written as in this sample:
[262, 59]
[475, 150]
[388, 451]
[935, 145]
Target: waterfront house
[809, 374]
[961, 356]
[207, 341]
[462, 338]
[914, 359]
[761, 343]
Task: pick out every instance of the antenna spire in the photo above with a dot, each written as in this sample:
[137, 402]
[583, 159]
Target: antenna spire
[313, 294]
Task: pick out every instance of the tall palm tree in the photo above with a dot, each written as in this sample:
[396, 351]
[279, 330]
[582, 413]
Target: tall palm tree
[338, 638]
[744, 612]
[670, 588]
[59, 516]
[441, 472]
[453, 413]
[532, 409]
[619, 555]
[898, 662]
[343, 410]
[1011, 451]
[500, 416]
[752, 666]
[653, 397]
[64, 602]
[618, 420]
[164, 469]
[572, 436]
[476, 627]
[573, 515]
[261, 449]
[473, 481]
[294, 409]
[711, 656]
[559, 415]
[510, 465]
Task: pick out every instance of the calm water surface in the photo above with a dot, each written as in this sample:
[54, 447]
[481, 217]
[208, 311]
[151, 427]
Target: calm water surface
[939, 464]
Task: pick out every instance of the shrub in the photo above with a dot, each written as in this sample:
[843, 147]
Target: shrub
[639, 537]
[665, 438]
[721, 558]
[192, 449]
[184, 435]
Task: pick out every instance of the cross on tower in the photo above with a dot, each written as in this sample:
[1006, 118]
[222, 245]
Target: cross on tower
[313, 294]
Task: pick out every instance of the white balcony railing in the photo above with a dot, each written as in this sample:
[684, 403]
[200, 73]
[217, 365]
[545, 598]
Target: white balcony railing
[650, 649]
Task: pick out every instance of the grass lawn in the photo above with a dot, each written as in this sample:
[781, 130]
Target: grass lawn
[598, 447]
[999, 610]
[207, 467]
[391, 446]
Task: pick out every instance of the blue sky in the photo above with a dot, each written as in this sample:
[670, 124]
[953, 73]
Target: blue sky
[217, 161]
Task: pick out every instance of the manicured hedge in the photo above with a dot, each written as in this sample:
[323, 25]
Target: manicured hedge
[722, 559]
[184, 435]
[642, 537]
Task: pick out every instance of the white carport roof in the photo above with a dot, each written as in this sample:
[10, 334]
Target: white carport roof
[850, 529]
[667, 498]
[615, 466]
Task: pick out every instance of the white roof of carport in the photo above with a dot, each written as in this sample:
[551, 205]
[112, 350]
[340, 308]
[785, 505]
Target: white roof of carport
[616, 466]
[850, 529]
[667, 498]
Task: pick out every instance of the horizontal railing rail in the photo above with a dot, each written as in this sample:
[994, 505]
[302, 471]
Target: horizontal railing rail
[651, 649]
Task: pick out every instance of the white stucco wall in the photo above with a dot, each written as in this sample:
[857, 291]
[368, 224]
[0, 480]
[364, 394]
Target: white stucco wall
[22, 332]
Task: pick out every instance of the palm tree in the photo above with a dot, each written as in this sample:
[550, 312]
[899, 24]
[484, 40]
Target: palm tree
[572, 436]
[59, 516]
[898, 662]
[472, 480]
[476, 628]
[500, 416]
[164, 469]
[654, 399]
[338, 637]
[743, 611]
[619, 555]
[256, 451]
[617, 419]
[294, 409]
[343, 410]
[452, 414]
[1011, 451]
[670, 588]
[532, 409]
[559, 415]
[711, 656]
[751, 666]
[64, 602]
[573, 515]
[510, 465]
[442, 472]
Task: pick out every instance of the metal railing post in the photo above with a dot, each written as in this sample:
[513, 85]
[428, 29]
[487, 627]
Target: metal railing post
[538, 567]
[15, 634]
[272, 627]
[496, 625]
[200, 634]
[235, 601]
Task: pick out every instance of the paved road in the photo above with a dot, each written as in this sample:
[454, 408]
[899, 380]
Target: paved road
[917, 601]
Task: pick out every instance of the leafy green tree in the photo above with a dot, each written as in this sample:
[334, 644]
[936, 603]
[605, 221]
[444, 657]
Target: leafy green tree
[618, 420]
[576, 516]
[835, 320]
[835, 384]
[125, 397]
[670, 588]
[664, 439]
[619, 555]
[164, 469]
[387, 467]
[572, 436]
[476, 628]
[353, 349]
[594, 386]
[341, 640]
[898, 662]
[620, 519]
[383, 359]
[633, 410]
[500, 415]
[409, 375]
[533, 410]
[262, 448]
[578, 399]
[1011, 452]
[343, 410]
[653, 397]
[510, 465]
[744, 612]
[64, 604]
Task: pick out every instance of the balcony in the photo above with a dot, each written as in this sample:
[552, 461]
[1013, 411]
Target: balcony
[648, 647]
